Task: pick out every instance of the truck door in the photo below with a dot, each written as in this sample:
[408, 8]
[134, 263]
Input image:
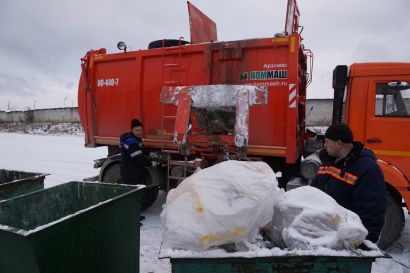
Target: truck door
[388, 122]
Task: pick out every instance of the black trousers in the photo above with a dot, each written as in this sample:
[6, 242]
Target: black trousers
[132, 174]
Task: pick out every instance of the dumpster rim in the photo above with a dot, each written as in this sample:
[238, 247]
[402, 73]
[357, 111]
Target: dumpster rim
[35, 176]
[26, 233]
[284, 257]
[321, 252]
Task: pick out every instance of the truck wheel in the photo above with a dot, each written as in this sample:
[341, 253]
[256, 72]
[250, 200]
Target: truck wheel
[394, 223]
[112, 175]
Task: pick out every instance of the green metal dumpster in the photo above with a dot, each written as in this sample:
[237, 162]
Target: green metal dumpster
[15, 183]
[74, 227]
[272, 261]
[300, 264]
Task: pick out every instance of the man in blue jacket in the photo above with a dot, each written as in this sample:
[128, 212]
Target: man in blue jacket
[350, 174]
[134, 159]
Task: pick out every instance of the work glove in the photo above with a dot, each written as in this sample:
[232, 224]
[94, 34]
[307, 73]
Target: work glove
[154, 164]
[152, 155]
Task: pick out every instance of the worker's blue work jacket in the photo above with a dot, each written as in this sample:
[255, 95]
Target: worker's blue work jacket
[134, 159]
[356, 182]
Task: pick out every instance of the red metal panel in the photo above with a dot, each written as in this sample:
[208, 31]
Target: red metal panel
[182, 116]
[115, 95]
[82, 108]
[86, 98]
[260, 62]
[266, 123]
[203, 29]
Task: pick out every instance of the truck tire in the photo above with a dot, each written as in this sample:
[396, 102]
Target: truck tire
[148, 195]
[394, 223]
[166, 42]
[112, 175]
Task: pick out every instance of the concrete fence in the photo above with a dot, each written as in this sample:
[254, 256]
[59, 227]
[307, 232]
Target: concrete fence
[67, 114]
[318, 111]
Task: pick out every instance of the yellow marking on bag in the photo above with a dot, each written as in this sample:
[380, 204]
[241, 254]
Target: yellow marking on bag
[197, 201]
[238, 231]
[206, 238]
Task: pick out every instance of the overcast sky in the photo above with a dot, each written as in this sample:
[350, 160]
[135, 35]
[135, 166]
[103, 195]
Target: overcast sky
[42, 41]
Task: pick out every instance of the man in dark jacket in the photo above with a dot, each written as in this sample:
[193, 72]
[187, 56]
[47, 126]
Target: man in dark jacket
[350, 174]
[134, 160]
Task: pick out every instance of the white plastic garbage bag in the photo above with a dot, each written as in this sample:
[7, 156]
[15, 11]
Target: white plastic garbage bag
[226, 203]
[307, 217]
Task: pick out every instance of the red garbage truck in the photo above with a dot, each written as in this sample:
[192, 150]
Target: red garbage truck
[205, 101]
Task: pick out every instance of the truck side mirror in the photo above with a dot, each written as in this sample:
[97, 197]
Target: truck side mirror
[339, 83]
[339, 77]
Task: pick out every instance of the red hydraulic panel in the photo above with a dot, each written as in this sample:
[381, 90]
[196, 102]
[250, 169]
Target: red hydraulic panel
[292, 17]
[203, 29]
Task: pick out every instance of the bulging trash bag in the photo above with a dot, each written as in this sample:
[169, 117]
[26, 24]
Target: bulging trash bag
[307, 217]
[226, 203]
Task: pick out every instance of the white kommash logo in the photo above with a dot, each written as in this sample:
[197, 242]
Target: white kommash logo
[108, 82]
[264, 75]
[271, 72]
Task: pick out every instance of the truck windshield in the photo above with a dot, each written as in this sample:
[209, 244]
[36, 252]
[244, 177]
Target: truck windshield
[392, 99]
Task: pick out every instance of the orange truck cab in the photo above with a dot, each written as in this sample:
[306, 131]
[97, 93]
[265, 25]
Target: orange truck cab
[374, 100]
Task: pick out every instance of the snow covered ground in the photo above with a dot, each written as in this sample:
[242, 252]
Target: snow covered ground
[63, 157]
[66, 159]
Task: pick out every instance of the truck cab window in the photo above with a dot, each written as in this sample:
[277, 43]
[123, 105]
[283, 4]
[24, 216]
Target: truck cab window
[392, 99]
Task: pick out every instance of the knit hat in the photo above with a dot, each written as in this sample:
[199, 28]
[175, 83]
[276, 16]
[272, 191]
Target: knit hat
[135, 123]
[340, 132]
